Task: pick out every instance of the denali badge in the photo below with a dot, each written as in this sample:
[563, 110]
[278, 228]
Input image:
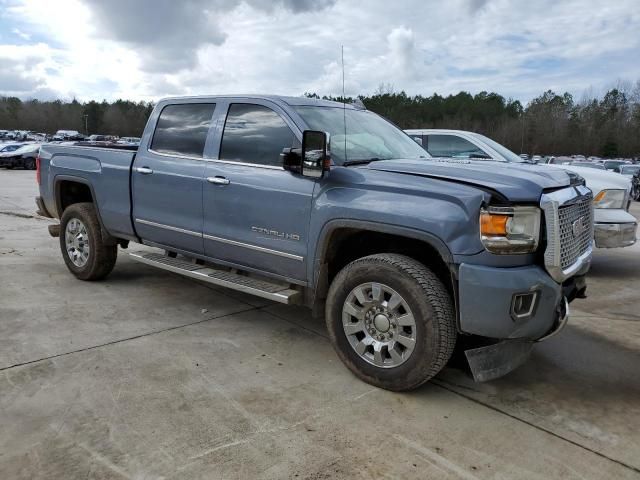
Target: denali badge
[579, 226]
[275, 233]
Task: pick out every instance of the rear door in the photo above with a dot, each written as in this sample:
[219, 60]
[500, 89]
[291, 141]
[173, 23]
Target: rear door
[256, 214]
[167, 177]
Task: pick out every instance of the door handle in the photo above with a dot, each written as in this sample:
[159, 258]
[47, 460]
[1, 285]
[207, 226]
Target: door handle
[218, 180]
[144, 170]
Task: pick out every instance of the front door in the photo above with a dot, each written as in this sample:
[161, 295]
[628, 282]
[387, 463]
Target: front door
[167, 178]
[256, 214]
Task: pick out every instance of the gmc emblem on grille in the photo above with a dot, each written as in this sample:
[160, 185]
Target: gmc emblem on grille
[579, 226]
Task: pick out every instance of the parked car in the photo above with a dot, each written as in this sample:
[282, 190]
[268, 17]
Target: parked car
[9, 147]
[561, 160]
[635, 187]
[97, 138]
[629, 170]
[597, 166]
[129, 141]
[22, 157]
[614, 225]
[331, 206]
[614, 165]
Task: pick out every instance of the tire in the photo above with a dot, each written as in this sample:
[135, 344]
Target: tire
[29, 164]
[79, 223]
[423, 297]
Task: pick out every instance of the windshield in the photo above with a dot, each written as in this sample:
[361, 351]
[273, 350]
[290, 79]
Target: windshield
[630, 169]
[508, 155]
[368, 136]
[613, 163]
[10, 148]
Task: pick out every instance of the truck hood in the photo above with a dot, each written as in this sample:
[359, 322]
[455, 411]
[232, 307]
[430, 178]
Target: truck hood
[517, 182]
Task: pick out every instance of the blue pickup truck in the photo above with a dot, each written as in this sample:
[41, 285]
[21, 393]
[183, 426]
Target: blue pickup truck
[331, 206]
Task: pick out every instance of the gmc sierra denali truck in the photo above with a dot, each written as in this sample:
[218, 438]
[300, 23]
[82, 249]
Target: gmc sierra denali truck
[312, 202]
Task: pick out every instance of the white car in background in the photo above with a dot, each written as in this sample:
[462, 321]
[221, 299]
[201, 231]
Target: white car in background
[614, 225]
[629, 170]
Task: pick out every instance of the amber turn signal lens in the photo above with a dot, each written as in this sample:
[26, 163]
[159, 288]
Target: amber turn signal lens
[492, 225]
[600, 196]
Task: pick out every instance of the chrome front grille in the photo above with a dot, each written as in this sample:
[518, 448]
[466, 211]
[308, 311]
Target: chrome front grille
[569, 224]
[576, 231]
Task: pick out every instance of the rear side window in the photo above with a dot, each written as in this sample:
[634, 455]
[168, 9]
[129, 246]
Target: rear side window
[254, 134]
[182, 129]
[450, 146]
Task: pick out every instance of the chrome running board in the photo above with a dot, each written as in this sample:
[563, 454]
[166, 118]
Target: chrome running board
[278, 292]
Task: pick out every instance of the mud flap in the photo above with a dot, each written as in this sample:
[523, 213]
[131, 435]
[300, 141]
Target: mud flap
[494, 361]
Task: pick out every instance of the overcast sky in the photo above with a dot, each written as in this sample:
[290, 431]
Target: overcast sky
[147, 49]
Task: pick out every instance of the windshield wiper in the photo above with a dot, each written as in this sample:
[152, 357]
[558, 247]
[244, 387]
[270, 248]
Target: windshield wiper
[361, 161]
[481, 156]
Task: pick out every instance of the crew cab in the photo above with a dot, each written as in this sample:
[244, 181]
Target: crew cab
[311, 202]
[614, 226]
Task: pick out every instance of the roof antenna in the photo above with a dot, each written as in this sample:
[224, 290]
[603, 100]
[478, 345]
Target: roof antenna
[344, 106]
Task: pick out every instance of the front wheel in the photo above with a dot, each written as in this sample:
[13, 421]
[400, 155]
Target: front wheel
[83, 250]
[391, 321]
[30, 164]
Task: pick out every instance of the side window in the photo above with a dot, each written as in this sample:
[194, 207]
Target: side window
[451, 146]
[254, 134]
[182, 129]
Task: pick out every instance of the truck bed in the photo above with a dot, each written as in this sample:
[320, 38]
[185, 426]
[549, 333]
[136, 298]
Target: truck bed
[106, 170]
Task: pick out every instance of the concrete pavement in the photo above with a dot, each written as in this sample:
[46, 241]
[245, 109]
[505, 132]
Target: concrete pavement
[151, 375]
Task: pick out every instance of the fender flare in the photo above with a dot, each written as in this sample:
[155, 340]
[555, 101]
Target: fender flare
[332, 225]
[107, 239]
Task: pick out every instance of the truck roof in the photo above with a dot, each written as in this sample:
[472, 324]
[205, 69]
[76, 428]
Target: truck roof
[279, 99]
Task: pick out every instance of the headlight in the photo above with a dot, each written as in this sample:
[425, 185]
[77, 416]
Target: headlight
[610, 199]
[508, 230]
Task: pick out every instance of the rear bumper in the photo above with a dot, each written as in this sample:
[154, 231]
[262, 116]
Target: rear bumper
[488, 301]
[615, 235]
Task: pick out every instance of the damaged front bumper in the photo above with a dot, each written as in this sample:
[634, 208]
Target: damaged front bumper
[510, 309]
[496, 360]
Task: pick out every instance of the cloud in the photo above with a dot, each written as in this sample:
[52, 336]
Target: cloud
[18, 77]
[21, 34]
[167, 33]
[145, 49]
[402, 52]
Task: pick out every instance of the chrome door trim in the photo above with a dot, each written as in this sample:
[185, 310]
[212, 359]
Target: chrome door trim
[245, 164]
[254, 247]
[175, 155]
[216, 160]
[169, 227]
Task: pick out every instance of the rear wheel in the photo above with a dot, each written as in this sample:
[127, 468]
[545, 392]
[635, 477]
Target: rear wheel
[391, 321]
[83, 250]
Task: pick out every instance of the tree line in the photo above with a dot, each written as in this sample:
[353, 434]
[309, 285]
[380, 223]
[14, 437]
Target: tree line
[550, 124]
[121, 118]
